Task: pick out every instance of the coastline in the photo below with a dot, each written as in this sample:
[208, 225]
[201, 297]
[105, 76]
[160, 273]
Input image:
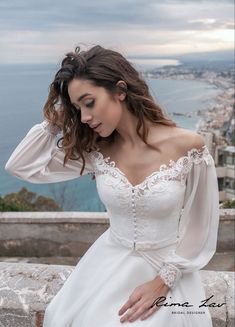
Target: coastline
[216, 114]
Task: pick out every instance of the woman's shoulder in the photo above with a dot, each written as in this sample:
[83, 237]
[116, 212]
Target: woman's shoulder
[191, 139]
[191, 144]
[186, 139]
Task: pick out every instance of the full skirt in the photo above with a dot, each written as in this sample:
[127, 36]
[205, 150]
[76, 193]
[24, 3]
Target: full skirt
[102, 282]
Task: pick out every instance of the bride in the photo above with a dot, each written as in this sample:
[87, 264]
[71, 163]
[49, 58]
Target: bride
[159, 185]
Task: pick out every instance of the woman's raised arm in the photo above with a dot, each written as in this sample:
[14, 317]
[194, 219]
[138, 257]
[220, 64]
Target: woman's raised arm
[37, 159]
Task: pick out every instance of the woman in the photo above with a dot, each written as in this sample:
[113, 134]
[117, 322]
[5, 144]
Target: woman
[157, 181]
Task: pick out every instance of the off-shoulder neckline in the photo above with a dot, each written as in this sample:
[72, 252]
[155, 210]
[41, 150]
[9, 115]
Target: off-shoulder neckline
[192, 153]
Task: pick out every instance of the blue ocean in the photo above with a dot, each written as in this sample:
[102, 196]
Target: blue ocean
[23, 92]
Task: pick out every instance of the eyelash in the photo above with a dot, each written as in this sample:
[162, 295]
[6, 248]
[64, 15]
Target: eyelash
[89, 105]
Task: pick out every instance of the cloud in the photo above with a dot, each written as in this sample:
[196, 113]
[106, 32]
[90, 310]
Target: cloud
[40, 31]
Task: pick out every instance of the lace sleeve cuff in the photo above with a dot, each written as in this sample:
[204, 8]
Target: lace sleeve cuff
[170, 274]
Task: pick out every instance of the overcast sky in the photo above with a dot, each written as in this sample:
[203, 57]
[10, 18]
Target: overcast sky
[42, 31]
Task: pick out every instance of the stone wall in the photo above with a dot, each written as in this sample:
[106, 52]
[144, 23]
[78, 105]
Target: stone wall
[26, 289]
[44, 234]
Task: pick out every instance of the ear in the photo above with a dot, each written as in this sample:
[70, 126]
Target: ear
[122, 93]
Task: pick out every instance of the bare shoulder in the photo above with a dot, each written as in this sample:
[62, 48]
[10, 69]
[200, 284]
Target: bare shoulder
[187, 140]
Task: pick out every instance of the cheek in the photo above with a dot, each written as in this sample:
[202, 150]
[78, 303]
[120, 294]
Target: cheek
[111, 113]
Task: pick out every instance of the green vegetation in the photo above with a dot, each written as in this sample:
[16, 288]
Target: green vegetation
[25, 200]
[228, 204]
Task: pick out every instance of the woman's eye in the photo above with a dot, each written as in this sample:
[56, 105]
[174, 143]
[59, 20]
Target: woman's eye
[90, 104]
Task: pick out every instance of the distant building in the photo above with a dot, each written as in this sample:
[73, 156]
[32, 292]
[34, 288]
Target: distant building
[225, 169]
[228, 128]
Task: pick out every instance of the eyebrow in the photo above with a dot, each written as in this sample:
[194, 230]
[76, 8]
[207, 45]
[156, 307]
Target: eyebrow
[82, 96]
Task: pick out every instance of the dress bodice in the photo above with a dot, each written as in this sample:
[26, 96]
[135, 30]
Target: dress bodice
[146, 215]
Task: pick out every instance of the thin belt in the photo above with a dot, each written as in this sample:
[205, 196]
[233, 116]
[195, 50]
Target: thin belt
[144, 245]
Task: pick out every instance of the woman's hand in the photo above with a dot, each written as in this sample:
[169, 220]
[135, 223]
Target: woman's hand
[142, 298]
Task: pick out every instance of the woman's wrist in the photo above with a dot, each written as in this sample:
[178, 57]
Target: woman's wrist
[158, 280]
[169, 275]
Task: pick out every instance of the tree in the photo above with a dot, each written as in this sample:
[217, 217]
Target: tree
[25, 200]
[228, 204]
[9, 207]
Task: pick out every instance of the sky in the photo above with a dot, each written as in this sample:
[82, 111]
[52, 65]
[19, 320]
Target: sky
[43, 31]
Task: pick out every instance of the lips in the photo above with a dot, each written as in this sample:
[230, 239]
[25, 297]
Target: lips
[94, 126]
[97, 127]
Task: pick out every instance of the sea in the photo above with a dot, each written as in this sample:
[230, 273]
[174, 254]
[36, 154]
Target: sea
[23, 92]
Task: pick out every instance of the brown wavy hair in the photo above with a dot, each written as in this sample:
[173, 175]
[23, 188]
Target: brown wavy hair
[103, 68]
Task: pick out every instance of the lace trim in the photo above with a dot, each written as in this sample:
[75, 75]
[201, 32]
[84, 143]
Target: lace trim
[170, 274]
[174, 170]
[49, 128]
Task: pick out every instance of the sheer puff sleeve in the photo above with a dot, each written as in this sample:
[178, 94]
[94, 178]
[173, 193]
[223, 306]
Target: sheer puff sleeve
[37, 159]
[199, 221]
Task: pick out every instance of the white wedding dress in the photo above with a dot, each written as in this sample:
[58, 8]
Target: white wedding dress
[165, 225]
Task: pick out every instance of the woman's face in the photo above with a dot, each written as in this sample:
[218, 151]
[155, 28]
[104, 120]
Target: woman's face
[96, 105]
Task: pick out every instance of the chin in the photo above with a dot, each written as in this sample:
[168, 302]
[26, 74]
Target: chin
[104, 134]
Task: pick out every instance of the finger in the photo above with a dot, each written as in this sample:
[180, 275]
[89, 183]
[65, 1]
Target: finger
[130, 312]
[140, 310]
[126, 306]
[149, 313]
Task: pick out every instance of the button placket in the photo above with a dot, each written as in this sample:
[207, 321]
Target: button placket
[134, 216]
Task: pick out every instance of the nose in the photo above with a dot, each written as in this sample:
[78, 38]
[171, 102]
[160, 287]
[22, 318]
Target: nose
[85, 117]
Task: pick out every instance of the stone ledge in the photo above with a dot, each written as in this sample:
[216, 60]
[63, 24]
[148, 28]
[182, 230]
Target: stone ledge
[221, 285]
[43, 234]
[26, 289]
[227, 214]
[34, 217]
[74, 216]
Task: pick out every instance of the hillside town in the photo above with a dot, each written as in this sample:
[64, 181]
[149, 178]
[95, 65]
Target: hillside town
[217, 122]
